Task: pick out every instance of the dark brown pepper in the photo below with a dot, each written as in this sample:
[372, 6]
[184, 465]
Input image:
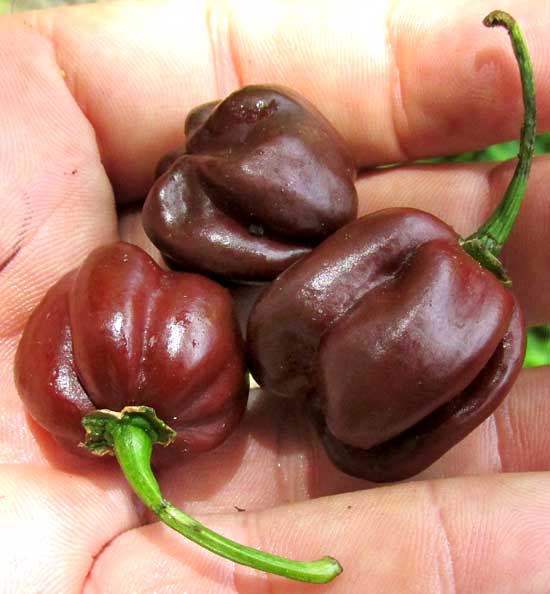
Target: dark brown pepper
[119, 331]
[402, 342]
[263, 178]
[119, 340]
[402, 335]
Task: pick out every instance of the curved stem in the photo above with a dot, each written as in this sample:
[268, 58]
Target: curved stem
[133, 447]
[494, 233]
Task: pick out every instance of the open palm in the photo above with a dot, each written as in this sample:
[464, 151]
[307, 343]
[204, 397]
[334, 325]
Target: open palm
[91, 97]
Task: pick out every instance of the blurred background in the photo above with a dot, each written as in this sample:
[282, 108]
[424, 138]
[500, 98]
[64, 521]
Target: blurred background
[6, 6]
[538, 345]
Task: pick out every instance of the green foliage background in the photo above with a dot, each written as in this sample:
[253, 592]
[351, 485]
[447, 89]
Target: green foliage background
[20, 5]
[538, 345]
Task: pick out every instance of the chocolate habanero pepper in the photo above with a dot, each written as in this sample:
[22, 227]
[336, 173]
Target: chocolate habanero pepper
[119, 341]
[402, 336]
[262, 178]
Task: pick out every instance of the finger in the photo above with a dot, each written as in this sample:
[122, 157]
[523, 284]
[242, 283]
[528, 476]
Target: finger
[55, 195]
[275, 457]
[57, 205]
[464, 195]
[398, 80]
[54, 525]
[513, 439]
[464, 535]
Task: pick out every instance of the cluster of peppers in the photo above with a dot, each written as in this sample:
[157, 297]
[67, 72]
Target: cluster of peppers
[401, 336]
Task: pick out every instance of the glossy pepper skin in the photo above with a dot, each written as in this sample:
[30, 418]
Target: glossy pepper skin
[262, 178]
[120, 331]
[402, 335]
[401, 341]
[121, 356]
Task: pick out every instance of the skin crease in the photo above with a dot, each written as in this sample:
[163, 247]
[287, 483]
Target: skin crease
[480, 532]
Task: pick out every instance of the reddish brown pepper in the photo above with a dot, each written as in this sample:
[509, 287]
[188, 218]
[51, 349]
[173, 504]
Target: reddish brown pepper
[121, 335]
[263, 178]
[402, 336]
[401, 340]
[119, 331]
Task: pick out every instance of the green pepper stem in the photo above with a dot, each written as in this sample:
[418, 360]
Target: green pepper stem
[494, 233]
[133, 447]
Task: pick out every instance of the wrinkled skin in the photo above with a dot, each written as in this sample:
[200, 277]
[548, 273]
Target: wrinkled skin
[402, 342]
[119, 331]
[262, 178]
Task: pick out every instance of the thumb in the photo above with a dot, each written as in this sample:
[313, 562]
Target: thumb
[478, 535]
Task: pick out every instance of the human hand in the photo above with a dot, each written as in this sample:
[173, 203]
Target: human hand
[92, 97]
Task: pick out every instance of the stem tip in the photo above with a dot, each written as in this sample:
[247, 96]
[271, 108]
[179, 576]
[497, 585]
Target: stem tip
[499, 18]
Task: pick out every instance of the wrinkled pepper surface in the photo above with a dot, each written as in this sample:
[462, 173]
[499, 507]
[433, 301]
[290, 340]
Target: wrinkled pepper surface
[402, 341]
[402, 336]
[262, 178]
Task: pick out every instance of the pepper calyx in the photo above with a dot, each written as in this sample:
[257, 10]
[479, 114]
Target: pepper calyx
[481, 251]
[99, 427]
